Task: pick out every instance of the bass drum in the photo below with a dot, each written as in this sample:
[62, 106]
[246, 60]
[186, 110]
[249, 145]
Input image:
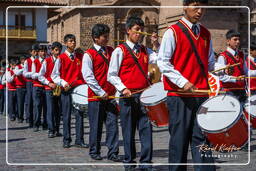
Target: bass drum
[80, 98]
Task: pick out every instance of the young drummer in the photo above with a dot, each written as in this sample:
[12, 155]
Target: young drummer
[27, 72]
[128, 73]
[231, 81]
[2, 87]
[11, 85]
[186, 71]
[39, 103]
[21, 88]
[52, 102]
[94, 69]
[67, 74]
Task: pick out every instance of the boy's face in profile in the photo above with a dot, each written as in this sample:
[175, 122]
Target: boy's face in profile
[56, 51]
[102, 40]
[253, 53]
[42, 53]
[71, 44]
[34, 53]
[234, 42]
[135, 37]
[194, 13]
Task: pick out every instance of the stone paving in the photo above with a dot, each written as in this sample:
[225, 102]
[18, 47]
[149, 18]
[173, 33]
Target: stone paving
[26, 146]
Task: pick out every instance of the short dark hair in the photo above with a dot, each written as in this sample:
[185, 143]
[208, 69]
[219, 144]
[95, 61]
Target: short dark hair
[13, 61]
[42, 47]
[69, 36]
[132, 21]
[98, 30]
[252, 46]
[187, 2]
[56, 45]
[232, 33]
[22, 58]
[35, 47]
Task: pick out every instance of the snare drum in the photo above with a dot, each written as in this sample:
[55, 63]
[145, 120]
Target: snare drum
[154, 100]
[221, 119]
[252, 111]
[80, 98]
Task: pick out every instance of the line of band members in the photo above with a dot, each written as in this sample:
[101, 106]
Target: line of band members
[106, 70]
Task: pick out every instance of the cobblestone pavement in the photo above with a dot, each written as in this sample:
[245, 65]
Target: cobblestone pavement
[26, 146]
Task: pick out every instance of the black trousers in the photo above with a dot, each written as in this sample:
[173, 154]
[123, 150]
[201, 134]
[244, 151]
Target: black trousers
[100, 112]
[133, 115]
[53, 112]
[66, 104]
[21, 92]
[184, 130]
[12, 104]
[39, 106]
[29, 103]
[1, 101]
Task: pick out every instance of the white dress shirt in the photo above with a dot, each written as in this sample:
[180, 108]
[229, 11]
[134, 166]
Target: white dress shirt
[166, 51]
[25, 70]
[222, 62]
[3, 81]
[42, 71]
[9, 76]
[56, 72]
[88, 75]
[35, 74]
[116, 61]
[250, 72]
[18, 71]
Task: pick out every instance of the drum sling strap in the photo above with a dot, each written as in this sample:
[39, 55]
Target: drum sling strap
[137, 62]
[186, 32]
[103, 57]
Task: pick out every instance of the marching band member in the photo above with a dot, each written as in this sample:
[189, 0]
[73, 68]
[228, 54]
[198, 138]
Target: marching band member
[11, 85]
[94, 69]
[128, 73]
[67, 73]
[52, 102]
[2, 89]
[251, 68]
[185, 68]
[20, 88]
[38, 91]
[27, 72]
[231, 81]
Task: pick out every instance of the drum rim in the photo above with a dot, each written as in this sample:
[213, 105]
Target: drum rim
[155, 103]
[240, 116]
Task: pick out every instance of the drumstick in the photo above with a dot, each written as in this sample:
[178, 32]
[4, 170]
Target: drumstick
[226, 67]
[197, 91]
[244, 77]
[145, 33]
[115, 40]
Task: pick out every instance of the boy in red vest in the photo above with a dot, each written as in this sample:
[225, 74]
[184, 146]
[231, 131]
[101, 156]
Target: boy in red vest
[27, 72]
[128, 73]
[67, 74]
[11, 85]
[21, 88]
[230, 79]
[52, 102]
[94, 70]
[184, 71]
[2, 87]
[252, 68]
[38, 91]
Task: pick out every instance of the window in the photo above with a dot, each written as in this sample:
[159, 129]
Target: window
[20, 21]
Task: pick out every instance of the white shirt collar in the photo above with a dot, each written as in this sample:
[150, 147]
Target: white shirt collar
[232, 51]
[189, 23]
[251, 58]
[32, 58]
[131, 44]
[68, 53]
[40, 59]
[97, 47]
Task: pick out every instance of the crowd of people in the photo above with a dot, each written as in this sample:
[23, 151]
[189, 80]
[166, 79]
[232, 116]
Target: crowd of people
[184, 57]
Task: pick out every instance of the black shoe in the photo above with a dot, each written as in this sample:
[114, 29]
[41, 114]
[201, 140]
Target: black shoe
[66, 145]
[81, 145]
[115, 158]
[20, 121]
[148, 169]
[96, 157]
[27, 120]
[57, 134]
[36, 129]
[50, 135]
[45, 127]
[12, 119]
[130, 169]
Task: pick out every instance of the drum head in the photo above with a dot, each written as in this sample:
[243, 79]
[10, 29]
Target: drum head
[218, 113]
[153, 95]
[251, 105]
[80, 94]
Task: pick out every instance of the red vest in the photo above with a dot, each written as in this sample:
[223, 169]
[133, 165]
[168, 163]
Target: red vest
[70, 70]
[49, 67]
[29, 62]
[12, 85]
[20, 80]
[129, 72]
[238, 70]
[185, 61]
[1, 85]
[100, 70]
[38, 64]
[251, 66]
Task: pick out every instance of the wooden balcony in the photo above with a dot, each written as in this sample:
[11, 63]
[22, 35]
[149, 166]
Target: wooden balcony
[14, 32]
